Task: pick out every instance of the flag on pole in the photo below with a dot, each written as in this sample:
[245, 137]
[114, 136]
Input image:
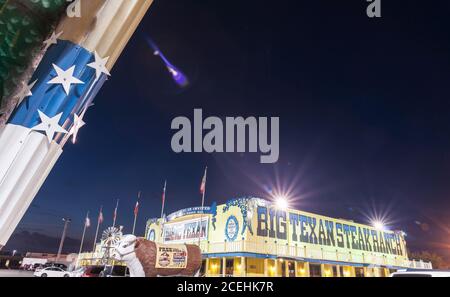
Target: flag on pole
[87, 222]
[164, 193]
[136, 208]
[202, 191]
[203, 184]
[115, 213]
[100, 216]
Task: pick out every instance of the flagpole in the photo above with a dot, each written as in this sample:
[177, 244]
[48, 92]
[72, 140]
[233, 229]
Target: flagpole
[115, 213]
[164, 198]
[204, 189]
[134, 224]
[84, 232]
[96, 231]
[203, 202]
[136, 212]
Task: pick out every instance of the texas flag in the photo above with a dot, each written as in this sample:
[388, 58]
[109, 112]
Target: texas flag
[48, 108]
[100, 216]
[87, 222]
[136, 209]
[203, 184]
[31, 142]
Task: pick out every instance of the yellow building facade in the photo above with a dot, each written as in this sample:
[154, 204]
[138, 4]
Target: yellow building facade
[252, 237]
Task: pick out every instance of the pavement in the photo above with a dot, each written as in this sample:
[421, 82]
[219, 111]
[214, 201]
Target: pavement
[15, 273]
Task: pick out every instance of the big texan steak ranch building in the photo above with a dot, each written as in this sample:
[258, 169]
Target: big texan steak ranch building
[252, 237]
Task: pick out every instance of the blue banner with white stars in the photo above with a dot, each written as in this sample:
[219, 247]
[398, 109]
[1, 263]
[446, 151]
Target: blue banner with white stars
[70, 91]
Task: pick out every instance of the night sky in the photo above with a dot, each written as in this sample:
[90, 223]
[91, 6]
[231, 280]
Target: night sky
[363, 106]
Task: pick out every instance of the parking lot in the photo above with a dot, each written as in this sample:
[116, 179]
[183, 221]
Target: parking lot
[15, 273]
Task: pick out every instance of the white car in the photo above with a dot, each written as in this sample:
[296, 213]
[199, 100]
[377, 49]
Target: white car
[421, 273]
[52, 272]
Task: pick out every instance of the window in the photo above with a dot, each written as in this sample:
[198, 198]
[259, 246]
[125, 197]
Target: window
[359, 272]
[315, 270]
[229, 267]
[335, 271]
[203, 268]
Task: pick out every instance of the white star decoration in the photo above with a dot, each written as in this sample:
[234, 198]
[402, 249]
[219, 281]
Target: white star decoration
[49, 125]
[99, 65]
[25, 92]
[52, 40]
[78, 123]
[65, 78]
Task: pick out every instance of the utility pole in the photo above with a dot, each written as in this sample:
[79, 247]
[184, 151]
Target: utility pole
[63, 236]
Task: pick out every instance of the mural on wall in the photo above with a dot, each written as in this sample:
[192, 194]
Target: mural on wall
[247, 205]
[194, 229]
[231, 228]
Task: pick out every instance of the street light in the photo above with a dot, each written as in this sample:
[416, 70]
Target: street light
[63, 237]
[280, 203]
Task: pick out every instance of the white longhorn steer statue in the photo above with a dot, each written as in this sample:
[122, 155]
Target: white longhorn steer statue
[145, 258]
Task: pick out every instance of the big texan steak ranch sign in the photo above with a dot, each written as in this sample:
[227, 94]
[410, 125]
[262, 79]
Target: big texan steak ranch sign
[318, 230]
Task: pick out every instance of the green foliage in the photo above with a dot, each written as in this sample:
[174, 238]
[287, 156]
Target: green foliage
[24, 25]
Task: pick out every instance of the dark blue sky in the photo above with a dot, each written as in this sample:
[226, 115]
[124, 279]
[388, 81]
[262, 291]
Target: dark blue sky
[363, 106]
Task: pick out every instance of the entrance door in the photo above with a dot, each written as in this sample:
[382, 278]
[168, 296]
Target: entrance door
[359, 272]
[291, 268]
[229, 268]
[283, 268]
[315, 270]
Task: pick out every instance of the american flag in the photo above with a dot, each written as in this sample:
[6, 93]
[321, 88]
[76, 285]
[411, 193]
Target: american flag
[203, 184]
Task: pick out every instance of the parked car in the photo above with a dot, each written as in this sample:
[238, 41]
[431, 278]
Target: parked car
[421, 273]
[59, 265]
[115, 271]
[51, 272]
[78, 272]
[37, 267]
[92, 271]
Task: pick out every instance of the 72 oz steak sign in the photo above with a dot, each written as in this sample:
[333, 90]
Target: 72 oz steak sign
[171, 256]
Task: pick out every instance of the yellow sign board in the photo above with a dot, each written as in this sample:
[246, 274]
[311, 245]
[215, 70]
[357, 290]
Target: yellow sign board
[301, 227]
